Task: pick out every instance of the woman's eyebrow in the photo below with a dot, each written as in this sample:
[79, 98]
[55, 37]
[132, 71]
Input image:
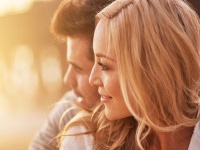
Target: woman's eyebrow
[104, 56]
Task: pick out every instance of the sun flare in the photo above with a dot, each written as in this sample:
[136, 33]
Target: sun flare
[15, 6]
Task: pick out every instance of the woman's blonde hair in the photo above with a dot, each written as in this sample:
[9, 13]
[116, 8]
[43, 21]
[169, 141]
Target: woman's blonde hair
[157, 44]
[108, 135]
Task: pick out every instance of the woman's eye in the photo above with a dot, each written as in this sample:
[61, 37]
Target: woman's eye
[103, 67]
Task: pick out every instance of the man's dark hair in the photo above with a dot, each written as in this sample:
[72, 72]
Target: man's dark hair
[76, 17]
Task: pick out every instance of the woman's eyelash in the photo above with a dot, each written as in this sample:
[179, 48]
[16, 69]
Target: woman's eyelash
[103, 67]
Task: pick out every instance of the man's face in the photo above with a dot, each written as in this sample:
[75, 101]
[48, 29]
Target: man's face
[78, 72]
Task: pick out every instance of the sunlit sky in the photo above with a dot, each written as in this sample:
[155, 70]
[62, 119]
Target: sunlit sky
[14, 6]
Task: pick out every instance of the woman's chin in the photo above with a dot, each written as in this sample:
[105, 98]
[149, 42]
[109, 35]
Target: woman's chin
[111, 115]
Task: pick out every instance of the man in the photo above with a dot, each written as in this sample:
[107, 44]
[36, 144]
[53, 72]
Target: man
[73, 21]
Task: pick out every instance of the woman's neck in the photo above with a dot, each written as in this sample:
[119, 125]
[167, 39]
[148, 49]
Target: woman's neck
[177, 140]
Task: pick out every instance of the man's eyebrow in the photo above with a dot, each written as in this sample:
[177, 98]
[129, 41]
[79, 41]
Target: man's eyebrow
[104, 56]
[75, 65]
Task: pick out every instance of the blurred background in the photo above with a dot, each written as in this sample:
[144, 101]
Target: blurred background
[32, 65]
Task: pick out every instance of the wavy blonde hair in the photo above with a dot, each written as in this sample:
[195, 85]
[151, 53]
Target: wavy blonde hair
[157, 44]
[108, 135]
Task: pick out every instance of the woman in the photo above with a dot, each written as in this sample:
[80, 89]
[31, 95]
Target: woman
[147, 67]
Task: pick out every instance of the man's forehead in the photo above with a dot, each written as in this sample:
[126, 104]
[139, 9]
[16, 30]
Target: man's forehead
[78, 37]
[79, 46]
[75, 41]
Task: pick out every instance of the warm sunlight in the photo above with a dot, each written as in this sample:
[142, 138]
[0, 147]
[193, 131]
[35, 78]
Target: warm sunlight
[31, 69]
[13, 6]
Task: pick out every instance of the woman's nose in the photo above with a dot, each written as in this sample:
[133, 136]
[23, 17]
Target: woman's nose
[94, 78]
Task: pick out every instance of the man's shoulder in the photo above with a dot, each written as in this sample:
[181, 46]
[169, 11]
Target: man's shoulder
[65, 102]
[195, 140]
[70, 95]
[58, 117]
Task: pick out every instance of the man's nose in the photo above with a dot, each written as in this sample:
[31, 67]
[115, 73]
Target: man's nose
[70, 78]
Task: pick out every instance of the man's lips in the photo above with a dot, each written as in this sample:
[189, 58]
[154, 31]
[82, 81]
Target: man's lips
[80, 99]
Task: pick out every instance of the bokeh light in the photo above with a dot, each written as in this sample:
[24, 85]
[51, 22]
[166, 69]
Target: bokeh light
[15, 6]
[24, 78]
[51, 69]
[31, 69]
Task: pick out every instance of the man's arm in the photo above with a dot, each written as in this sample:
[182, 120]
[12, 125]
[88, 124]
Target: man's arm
[45, 138]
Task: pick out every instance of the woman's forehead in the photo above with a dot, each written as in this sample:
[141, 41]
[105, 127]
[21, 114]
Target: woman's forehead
[101, 44]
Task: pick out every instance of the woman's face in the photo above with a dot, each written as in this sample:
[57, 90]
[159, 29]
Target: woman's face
[105, 75]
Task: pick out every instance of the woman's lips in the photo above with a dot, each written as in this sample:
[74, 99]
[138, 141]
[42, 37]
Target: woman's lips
[105, 99]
